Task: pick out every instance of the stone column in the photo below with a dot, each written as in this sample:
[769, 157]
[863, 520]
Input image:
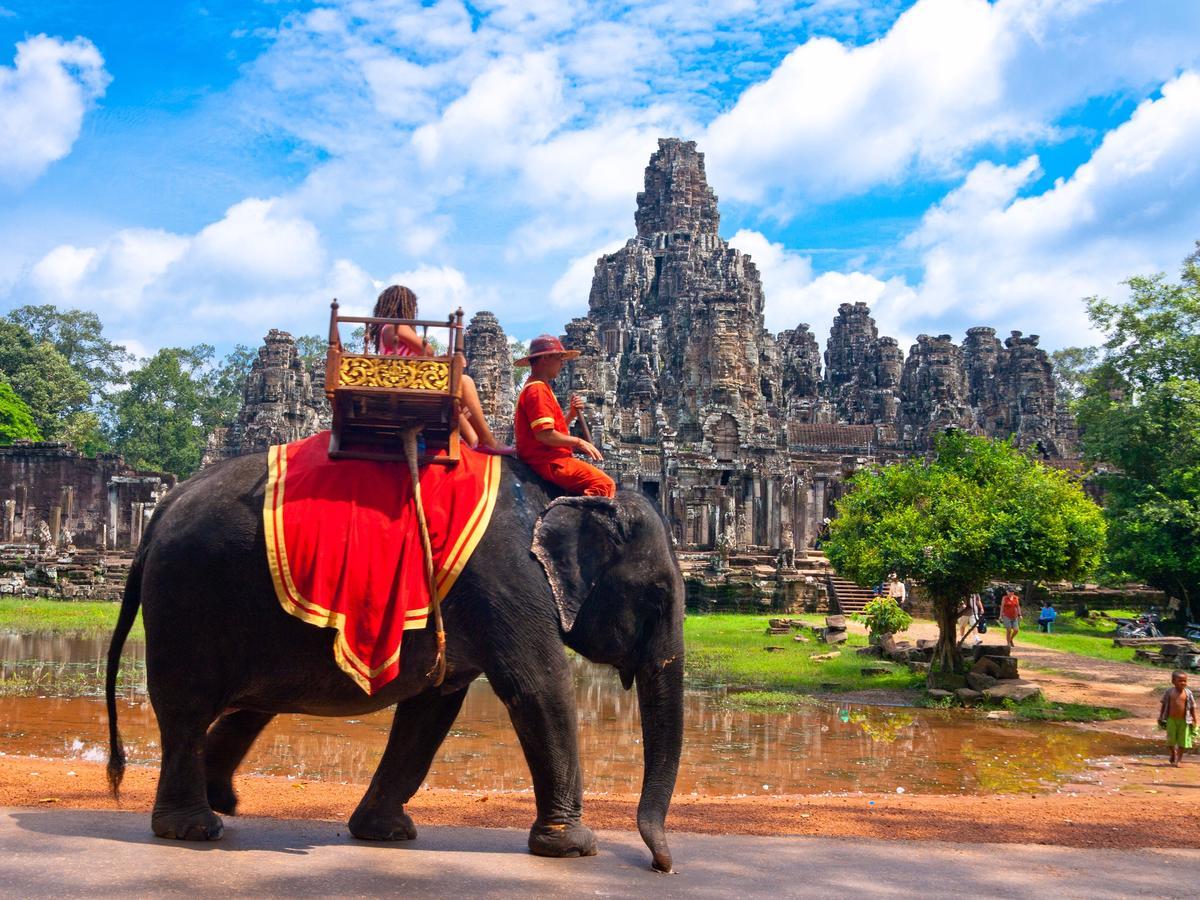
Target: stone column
[135, 524]
[10, 520]
[55, 523]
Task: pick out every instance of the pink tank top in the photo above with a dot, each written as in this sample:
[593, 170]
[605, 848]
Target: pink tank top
[401, 348]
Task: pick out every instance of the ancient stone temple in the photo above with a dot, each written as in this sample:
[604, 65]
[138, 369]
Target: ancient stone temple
[744, 438]
[283, 400]
[490, 363]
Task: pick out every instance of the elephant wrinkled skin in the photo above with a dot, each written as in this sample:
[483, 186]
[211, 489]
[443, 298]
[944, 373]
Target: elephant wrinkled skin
[601, 579]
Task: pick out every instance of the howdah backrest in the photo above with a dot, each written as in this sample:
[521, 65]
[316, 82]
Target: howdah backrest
[375, 397]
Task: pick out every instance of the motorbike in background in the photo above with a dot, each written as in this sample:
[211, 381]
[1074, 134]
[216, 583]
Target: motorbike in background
[1144, 626]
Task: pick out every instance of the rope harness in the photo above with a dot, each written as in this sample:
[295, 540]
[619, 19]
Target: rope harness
[438, 672]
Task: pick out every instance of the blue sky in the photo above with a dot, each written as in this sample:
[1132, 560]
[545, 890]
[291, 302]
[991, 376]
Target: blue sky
[206, 171]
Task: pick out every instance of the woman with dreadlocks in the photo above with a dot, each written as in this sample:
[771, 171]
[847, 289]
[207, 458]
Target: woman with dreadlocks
[398, 302]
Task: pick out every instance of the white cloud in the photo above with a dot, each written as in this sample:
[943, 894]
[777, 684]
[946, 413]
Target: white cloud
[514, 104]
[949, 77]
[1132, 208]
[255, 268]
[43, 98]
[572, 289]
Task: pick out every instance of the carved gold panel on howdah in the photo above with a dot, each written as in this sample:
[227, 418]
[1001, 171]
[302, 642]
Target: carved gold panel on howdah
[394, 372]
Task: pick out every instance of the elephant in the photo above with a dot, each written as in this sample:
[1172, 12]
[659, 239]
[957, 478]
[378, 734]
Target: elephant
[597, 575]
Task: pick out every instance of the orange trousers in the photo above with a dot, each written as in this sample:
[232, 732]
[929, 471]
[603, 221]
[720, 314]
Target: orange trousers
[577, 477]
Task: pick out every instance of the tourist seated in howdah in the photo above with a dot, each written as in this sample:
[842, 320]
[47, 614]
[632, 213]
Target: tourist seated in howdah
[541, 427]
[399, 302]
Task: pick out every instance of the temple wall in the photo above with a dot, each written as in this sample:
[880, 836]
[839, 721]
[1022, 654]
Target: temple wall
[97, 502]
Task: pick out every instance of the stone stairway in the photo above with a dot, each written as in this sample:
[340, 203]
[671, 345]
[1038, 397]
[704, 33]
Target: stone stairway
[846, 596]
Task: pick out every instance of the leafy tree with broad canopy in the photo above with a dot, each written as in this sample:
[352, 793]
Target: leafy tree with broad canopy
[163, 418]
[16, 423]
[1139, 417]
[981, 510]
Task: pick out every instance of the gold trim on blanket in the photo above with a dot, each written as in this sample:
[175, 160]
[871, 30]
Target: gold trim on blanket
[295, 604]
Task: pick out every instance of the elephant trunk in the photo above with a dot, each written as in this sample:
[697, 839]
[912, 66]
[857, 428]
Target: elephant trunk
[660, 697]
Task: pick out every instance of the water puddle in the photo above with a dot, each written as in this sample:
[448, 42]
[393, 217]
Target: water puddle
[53, 706]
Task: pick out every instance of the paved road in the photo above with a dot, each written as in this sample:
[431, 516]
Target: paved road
[71, 853]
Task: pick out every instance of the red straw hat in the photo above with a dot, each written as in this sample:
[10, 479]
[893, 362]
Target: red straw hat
[545, 345]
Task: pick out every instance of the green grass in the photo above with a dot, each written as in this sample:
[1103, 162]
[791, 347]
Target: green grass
[1046, 711]
[87, 617]
[728, 649]
[1084, 637]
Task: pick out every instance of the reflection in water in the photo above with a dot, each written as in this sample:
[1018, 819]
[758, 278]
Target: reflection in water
[726, 751]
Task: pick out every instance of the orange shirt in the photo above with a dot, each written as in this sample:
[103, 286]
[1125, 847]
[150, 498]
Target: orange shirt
[538, 410]
[1009, 606]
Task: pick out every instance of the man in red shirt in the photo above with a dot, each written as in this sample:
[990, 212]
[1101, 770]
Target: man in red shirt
[543, 440]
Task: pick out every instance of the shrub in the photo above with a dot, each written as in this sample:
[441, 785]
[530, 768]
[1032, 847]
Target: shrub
[883, 615]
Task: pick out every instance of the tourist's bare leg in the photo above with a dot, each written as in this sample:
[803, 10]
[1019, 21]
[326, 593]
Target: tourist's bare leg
[470, 398]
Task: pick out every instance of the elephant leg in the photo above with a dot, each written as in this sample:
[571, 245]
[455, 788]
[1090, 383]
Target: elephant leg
[541, 704]
[181, 808]
[418, 729]
[226, 746]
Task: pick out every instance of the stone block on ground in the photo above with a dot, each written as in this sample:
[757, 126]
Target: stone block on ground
[939, 694]
[980, 682]
[833, 636]
[774, 649]
[921, 668]
[887, 644]
[874, 670]
[1015, 690]
[985, 666]
[800, 639]
[982, 650]
[967, 695]
[1005, 666]
[836, 622]
[823, 656]
[926, 644]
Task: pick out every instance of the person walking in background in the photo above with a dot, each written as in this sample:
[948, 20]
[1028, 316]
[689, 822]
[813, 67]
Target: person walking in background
[975, 614]
[1046, 617]
[1010, 615]
[897, 591]
[1177, 714]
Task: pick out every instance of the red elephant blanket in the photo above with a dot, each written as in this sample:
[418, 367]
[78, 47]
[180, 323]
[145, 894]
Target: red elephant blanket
[345, 552]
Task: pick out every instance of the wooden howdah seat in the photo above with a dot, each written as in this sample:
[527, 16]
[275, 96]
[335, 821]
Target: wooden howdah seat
[376, 398]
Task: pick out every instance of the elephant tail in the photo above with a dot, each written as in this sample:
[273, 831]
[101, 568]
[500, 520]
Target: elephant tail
[128, 615]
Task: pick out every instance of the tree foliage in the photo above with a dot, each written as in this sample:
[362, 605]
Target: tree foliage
[1140, 423]
[980, 510]
[163, 418]
[79, 337]
[16, 422]
[43, 378]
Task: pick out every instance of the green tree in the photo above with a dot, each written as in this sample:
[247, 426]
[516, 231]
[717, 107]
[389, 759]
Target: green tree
[1071, 368]
[980, 510]
[79, 337]
[162, 419]
[16, 423]
[1140, 424]
[312, 349]
[43, 379]
[517, 349]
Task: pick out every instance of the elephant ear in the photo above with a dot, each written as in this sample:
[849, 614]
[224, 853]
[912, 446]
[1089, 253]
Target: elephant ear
[575, 540]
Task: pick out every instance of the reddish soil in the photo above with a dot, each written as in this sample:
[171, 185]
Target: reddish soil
[1130, 803]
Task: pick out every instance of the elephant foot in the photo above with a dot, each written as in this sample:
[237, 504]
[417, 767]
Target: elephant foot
[372, 825]
[196, 824]
[221, 797]
[562, 840]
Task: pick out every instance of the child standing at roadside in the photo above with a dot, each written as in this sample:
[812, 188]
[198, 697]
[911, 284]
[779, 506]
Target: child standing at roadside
[1178, 715]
